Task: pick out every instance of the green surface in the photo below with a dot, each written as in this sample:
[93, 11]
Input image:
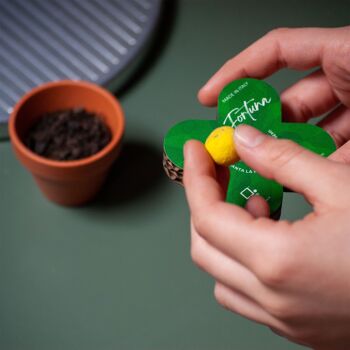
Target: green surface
[253, 102]
[117, 274]
[182, 132]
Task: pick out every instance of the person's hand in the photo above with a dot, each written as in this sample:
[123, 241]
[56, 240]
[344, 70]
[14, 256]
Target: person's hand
[290, 276]
[326, 90]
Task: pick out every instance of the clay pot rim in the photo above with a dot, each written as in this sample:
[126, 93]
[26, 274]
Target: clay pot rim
[116, 136]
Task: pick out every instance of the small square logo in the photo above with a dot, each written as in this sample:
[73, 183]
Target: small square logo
[248, 192]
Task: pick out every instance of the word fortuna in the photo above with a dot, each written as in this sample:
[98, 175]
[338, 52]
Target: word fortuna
[238, 115]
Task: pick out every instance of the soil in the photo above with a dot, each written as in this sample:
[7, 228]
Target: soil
[68, 134]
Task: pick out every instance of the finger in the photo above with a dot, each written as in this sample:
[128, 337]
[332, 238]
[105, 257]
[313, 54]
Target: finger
[223, 177]
[317, 178]
[337, 124]
[228, 227]
[258, 207]
[202, 188]
[224, 269]
[200, 174]
[299, 48]
[309, 97]
[240, 304]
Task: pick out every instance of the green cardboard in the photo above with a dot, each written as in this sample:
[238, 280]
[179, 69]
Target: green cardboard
[253, 102]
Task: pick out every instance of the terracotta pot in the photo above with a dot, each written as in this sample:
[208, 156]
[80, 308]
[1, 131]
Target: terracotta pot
[74, 182]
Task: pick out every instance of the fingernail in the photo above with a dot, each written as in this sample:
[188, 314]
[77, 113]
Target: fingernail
[248, 136]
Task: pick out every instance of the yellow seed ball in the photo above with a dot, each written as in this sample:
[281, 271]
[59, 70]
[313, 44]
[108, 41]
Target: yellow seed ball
[220, 145]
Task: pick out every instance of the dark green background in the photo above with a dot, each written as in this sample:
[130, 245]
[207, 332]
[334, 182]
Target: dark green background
[117, 274]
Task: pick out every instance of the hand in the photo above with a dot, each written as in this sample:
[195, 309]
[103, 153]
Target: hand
[292, 277]
[326, 90]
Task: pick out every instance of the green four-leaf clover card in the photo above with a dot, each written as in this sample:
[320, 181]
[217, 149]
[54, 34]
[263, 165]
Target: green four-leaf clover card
[253, 102]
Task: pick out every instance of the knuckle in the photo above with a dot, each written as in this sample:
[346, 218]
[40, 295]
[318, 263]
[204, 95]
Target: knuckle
[276, 36]
[281, 152]
[199, 219]
[279, 265]
[304, 110]
[343, 52]
[228, 64]
[280, 308]
[277, 32]
[337, 66]
[203, 219]
[271, 273]
[275, 308]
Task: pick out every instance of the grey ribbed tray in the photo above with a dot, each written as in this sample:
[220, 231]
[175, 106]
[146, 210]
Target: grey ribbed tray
[46, 40]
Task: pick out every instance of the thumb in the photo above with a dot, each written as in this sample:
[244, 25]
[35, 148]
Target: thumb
[289, 164]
